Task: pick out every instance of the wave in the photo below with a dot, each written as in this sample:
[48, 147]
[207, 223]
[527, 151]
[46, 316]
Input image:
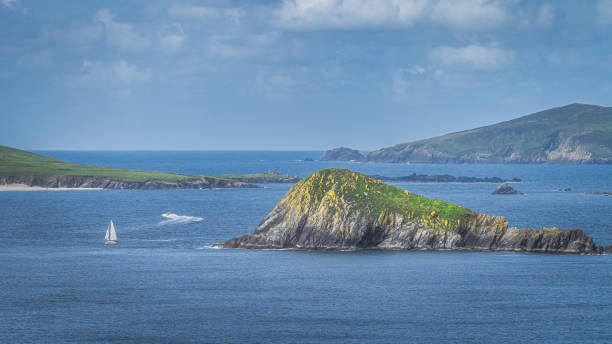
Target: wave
[174, 219]
[160, 240]
[208, 247]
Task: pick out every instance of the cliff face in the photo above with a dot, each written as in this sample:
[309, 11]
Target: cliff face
[68, 181]
[343, 154]
[341, 209]
[576, 133]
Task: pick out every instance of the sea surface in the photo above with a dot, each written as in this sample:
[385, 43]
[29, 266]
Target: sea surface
[163, 283]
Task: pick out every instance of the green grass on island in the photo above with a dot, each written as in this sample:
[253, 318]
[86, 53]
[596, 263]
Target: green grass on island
[340, 188]
[18, 162]
[262, 176]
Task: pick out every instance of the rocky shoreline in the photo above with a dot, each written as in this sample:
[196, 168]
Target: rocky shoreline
[70, 181]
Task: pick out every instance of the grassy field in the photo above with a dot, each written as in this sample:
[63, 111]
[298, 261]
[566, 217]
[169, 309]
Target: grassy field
[18, 162]
[262, 176]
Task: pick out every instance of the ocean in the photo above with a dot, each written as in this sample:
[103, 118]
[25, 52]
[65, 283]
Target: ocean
[163, 283]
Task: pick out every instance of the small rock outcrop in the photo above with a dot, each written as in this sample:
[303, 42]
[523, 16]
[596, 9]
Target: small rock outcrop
[506, 189]
[343, 154]
[341, 209]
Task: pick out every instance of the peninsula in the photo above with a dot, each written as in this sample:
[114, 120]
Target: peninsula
[269, 177]
[21, 169]
[341, 209]
[442, 178]
[575, 133]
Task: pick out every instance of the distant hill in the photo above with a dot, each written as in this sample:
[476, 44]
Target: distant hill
[576, 133]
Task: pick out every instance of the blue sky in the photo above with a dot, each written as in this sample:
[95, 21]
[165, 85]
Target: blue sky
[289, 75]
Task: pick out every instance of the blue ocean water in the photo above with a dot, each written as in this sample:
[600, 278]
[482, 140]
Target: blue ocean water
[164, 284]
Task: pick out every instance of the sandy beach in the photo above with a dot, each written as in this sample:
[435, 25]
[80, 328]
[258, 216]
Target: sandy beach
[23, 187]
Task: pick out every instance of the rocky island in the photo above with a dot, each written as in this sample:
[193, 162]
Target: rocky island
[21, 169]
[343, 154]
[506, 189]
[341, 209]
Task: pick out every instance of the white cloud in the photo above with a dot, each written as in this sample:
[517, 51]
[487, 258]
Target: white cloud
[235, 14]
[546, 15]
[193, 12]
[315, 14]
[120, 34]
[12, 4]
[473, 57]
[469, 14]
[604, 10]
[274, 85]
[171, 37]
[113, 73]
[406, 80]
[242, 46]
[344, 14]
[565, 59]
[80, 33]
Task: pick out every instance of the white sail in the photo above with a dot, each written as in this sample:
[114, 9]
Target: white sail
[111, 234]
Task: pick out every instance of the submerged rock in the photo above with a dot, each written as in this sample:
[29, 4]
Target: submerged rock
[506, 189]
[342, 209]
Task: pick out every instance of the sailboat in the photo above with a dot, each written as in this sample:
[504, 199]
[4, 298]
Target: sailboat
[111, 235]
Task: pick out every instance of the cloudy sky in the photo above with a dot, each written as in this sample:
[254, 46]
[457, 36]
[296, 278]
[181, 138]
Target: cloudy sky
[289, 75]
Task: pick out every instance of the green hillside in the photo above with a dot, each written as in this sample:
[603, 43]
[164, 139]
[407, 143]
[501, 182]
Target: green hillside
[18, 162]
[349, 192]
[574, 133]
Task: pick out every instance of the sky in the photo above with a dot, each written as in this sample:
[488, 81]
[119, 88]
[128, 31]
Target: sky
[289, 74]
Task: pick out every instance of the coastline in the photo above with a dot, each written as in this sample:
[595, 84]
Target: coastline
[24, 187]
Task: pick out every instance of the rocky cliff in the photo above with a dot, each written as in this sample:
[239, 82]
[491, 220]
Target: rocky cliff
[342, 209]
[70, 181]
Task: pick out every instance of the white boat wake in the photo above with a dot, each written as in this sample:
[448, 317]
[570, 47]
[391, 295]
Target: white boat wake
[172, 219]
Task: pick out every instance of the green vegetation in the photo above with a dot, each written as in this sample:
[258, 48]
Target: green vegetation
[339, 189]
[574, 132]
[262, 176]
[18, 162]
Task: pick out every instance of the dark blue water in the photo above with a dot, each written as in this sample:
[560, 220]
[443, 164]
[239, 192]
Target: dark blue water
[163, 284]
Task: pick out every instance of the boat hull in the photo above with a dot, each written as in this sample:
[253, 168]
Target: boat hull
[110, 242]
